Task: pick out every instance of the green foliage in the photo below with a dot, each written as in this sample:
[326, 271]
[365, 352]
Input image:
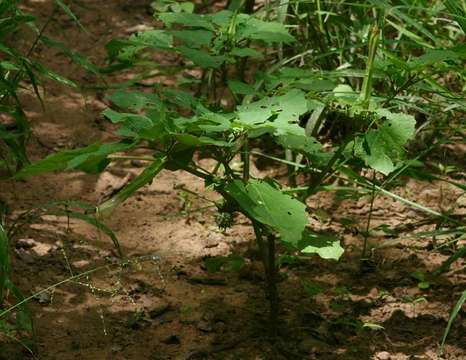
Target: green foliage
[333, 94]
[269, 206]
[18, 66]
[452, 318]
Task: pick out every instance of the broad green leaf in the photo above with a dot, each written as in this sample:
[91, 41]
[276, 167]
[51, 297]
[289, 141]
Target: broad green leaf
[201, 57]
[246, 52]
[194, 38]
[186, 19]
[280, 113]
[239, 87]
[134, 100]
[269, 206]
[133, 125]
[398, 126]
[255, 29]
[157, 39]
[195, 141]
[345, 94]
[70, 159]
[432, 57]
[302, 143]
[180, 98]
[105, 209]
[326, 246]
[207, 122]
[222, 18]
[96, 161]
[382, 148]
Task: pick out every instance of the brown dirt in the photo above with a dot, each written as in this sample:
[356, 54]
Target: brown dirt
[157, 306]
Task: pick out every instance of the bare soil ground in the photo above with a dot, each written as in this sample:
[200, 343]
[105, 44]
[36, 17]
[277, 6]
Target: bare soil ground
[164, 304]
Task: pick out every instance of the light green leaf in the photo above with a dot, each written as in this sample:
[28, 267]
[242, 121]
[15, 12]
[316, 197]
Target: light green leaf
[326, 246]
[382, 148]
[269, 206]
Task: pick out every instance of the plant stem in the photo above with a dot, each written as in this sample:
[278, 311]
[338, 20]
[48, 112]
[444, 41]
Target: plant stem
[369, 218]
[246, 159]
[267, 252]
[272, 285]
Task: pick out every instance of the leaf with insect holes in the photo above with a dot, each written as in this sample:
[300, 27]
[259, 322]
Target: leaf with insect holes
[279, 113]
[269, 206]
[383, 148]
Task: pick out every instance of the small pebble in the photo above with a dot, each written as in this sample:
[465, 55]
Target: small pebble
[383, 355]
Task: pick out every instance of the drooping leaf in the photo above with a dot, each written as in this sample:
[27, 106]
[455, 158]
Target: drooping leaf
[105, 209]
[73, 159]
[269, 206]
